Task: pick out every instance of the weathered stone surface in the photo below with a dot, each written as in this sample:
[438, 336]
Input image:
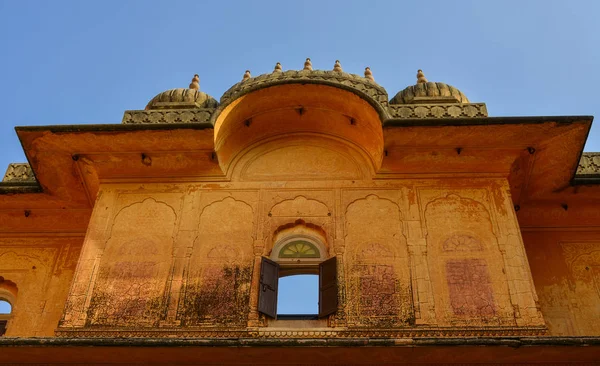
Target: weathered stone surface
[177, 259]
[589, 165]
[182, 98]
[199, 115]
[442, 110]
[434, 92]
[19, 173]
[363, 87]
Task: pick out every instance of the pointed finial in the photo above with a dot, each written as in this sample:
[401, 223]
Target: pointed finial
[277, 67]
[195, 82]
[337, 67]
[421, 77]
[369, 74]
[308, 64]
[246, 75]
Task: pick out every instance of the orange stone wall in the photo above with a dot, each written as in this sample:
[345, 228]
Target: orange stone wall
[566, 269]
[411, 253]
[38, 270]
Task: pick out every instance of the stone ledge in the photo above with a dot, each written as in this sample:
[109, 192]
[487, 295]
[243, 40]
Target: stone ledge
[305, 342]
[326, 334]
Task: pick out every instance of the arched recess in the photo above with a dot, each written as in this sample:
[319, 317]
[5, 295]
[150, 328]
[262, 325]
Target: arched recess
[250, 115]
[300, 206]
[378, 283]
[217, 287]
[135, 267]
[301, 156]
[299, 248]
[466, 264]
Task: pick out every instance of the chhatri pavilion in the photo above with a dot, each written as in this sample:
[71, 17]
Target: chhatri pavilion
[439, 234]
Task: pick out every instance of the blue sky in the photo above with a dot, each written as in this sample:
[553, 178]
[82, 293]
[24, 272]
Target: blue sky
[5, 307]
[76, 62]
[79, 62]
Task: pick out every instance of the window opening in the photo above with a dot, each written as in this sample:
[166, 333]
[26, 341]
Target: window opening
[272, 273]
[5, 310]
[298, 297]
[5, 307]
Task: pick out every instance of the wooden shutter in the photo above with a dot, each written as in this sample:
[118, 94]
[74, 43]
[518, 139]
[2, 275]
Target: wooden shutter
[267, 294]
[328, 297]
[3, 327]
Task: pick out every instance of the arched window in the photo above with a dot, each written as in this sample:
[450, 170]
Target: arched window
[298, 281]
[8, 296]
[5, 311]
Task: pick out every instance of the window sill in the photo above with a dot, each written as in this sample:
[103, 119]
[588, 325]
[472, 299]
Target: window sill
[298, 323]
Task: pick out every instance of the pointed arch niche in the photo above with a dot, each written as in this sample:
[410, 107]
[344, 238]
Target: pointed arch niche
[299, 249]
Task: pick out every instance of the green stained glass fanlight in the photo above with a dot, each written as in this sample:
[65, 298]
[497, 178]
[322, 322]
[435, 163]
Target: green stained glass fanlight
[299, 249]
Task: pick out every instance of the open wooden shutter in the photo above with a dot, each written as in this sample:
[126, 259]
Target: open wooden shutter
[328, 300]
[3, 327]
[267, 294]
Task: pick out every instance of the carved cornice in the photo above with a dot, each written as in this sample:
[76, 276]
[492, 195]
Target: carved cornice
[589, 165]
[199, 115]
[19, 173]
[303, 333]
[453, 110]
[367, 89]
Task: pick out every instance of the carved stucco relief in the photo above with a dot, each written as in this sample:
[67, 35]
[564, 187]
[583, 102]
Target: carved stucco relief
[217, 286]
[377, 267]
[299, 160]
[467, 267]
[135, 267]
[583, 262]
[29, 267]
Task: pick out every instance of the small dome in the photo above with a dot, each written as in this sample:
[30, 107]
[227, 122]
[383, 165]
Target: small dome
[183, 98]
[429, 92]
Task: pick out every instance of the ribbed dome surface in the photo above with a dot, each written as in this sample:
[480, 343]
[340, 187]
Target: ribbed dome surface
[183, 95]
[428, 90]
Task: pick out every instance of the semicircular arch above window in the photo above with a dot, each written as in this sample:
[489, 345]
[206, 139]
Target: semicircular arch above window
[299, 249]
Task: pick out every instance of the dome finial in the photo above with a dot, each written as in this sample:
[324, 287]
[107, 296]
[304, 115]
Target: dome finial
[337, 67]
[246, 75]
[369, 74]
[195, 82]
[277, 67]
[421, 79]
[308, 64]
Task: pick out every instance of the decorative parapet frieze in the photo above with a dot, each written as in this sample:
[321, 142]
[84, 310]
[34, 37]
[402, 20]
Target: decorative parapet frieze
[368, 89]
[589, 165]
[453, 110]
[197, 115]
[19, 173]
